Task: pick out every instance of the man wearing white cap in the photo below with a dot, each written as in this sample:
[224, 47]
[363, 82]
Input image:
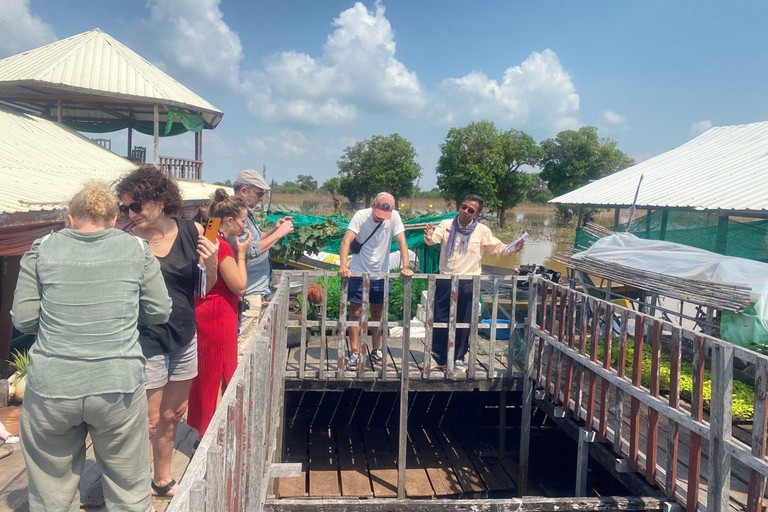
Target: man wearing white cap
[251, 186]
[370, 234]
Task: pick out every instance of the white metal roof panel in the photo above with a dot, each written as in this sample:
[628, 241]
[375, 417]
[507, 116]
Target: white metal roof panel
[43, 164]
[725, 168]
[95, 63]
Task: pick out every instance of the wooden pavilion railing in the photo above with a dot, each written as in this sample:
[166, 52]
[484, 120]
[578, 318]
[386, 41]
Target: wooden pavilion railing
[181, 168]
[570, 339]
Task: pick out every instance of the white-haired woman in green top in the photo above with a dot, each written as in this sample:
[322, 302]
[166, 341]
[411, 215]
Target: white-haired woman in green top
[83, 290]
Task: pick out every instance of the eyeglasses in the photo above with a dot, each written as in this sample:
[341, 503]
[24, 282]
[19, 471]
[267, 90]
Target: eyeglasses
[468, 208]
[240, 226]
[259, 194]
[134, 207]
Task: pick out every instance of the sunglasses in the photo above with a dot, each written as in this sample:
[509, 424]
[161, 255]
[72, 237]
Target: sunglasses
[259, 194]
[468, 208]
[134, 207]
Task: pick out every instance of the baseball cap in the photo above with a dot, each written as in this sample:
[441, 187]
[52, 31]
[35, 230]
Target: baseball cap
[252, 178]
[384, 206]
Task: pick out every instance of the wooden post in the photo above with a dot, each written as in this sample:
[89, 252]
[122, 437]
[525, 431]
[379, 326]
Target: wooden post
[720, 428]
[502, 423]
[616, 217]
[474, 319]
[429, 330]
[664, 219]
[721, 242]
[303, 332]
[156, 131]
[402, 435]
[528, 381]
[59, 113]
[130, 142]
[200, 155]
[756, 480]
[586, 437]
[342, 328]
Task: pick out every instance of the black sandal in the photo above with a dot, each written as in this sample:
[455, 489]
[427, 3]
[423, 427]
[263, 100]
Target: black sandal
[162, 492]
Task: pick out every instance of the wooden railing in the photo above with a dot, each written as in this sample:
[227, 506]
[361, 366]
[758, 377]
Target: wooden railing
[570, 339]
[479, 366]
[239, 454]
[181, 168]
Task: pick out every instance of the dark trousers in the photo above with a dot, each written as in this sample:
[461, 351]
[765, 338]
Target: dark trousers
[442, 314]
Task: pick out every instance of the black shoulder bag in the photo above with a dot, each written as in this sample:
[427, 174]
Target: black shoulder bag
[355, 246]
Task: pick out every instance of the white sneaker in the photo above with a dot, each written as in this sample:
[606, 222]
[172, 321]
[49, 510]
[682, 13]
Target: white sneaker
[353, 361]
[459, 365]
[376, 355]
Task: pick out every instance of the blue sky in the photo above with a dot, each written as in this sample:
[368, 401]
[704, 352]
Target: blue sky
[299, 81]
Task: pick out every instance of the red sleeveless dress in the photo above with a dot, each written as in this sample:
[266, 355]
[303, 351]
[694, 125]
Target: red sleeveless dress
[216, 346]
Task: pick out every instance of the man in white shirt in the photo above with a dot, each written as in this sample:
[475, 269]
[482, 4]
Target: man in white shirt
[373, 229]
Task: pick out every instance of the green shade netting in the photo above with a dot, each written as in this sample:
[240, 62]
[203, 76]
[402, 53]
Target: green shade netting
[747, 240]
[188, 122]
[429, 256]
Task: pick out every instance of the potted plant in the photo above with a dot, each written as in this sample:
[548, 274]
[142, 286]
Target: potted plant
[18, 381]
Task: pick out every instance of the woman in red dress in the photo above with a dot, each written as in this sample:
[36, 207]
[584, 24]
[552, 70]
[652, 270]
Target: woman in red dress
[217, 314]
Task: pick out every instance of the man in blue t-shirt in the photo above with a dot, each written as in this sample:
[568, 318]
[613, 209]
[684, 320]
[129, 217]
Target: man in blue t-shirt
[250, 186]
[374, 228]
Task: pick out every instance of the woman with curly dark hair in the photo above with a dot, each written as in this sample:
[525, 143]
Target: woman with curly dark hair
[151, 202]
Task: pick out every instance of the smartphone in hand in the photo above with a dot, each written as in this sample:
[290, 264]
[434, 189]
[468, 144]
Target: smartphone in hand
[212, 228]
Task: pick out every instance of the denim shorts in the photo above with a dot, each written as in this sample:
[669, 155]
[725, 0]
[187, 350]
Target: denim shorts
[164, 367]
[375, 294]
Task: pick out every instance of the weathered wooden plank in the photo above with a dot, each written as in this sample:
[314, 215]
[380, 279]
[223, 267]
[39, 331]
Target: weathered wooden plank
[697, 409]
[620, 372]
[402, 458]
[673, 432]
[529, 504]
[323, 465]
[352, 463]
[417, 483]
[385, 325]
[720, 427]
[653, 414]
[444, 481]
[604, 386]
[528, 386]
[342, 327]
[296, 447]
[637, 362]
[489, 469]
[462, 465]
[472, 363]
[756, 480]
[381, 462]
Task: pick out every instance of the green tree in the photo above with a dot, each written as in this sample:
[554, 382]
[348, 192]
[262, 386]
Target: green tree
[576, 157]
[288, 187]
[520, 149]
[481, 160]
[307, 183]
[331, 186]
[470, 158]
[381, 163]
[226, 183]
[538, 192]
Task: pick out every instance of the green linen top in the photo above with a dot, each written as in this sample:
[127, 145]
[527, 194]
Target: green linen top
[84, 294]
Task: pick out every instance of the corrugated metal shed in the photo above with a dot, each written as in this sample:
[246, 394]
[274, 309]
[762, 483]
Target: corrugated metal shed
[42, 164]
[95, 64]
[725, 168]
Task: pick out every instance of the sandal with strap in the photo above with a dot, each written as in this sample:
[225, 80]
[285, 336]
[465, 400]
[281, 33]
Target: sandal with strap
[162, 492]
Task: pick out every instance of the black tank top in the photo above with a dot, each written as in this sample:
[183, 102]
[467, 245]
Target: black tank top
[179, 268]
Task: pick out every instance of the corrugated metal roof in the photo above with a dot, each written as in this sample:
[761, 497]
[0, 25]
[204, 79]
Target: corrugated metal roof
[725, 168]
[95, 63]
[42, 164]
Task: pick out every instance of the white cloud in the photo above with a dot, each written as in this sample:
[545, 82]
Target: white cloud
[700, 127]
[612, 118]
[287, 143]
[190, 37]
[538, 92]
[20, 29]
[358, 70]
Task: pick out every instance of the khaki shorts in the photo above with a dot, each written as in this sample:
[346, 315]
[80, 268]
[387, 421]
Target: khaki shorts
[163, 367]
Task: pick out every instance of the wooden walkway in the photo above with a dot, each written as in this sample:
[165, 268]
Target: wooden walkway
[485, 377]
[442, 462]
[13, 471]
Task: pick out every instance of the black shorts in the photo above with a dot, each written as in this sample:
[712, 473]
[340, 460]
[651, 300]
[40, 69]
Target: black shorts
[375, 294]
